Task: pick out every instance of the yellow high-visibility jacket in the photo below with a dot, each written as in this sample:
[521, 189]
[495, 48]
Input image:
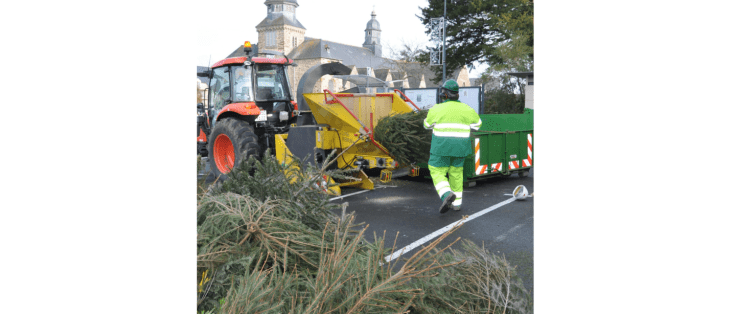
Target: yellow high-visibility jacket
[451, 122]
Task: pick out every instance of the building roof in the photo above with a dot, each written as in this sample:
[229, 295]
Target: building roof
[240, 53]
[397, 75]
[280, 19]
[381, 74]
[360, 57]
[280, 1]
[373, 23]
[416, 80]
[415, 71]
[363, 71]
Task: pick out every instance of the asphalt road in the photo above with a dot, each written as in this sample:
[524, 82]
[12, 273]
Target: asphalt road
[411, 207]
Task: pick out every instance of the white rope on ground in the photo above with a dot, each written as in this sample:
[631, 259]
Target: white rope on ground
[346, 195]
[439, 232]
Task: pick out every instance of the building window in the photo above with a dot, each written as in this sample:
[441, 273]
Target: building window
[270, 38]
[294, 42]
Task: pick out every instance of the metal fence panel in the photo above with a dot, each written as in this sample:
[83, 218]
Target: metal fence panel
[472, 97]
[424, 98]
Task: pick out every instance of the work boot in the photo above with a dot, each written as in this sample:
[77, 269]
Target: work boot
[447, 200]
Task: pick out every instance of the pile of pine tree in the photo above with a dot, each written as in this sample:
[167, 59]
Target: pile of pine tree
[405, 137]
[269, 242]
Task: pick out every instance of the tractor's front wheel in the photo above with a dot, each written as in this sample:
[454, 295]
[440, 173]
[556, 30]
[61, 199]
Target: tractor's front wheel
[230, 142]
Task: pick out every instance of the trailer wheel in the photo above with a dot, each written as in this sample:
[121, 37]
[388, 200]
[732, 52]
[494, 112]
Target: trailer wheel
[523, 173]
[230, 142]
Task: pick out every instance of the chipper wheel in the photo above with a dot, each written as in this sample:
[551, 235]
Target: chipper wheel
[231, 141]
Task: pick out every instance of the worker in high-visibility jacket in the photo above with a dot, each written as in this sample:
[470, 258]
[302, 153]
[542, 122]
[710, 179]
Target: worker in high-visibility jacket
[451, 122]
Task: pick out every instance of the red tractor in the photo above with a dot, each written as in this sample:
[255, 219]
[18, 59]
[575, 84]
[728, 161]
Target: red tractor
[249, 101]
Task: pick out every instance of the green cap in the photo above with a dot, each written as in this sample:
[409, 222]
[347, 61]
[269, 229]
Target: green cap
[451, 85]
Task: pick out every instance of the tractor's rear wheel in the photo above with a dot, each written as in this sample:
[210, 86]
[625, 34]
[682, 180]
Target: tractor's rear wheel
[230, 142]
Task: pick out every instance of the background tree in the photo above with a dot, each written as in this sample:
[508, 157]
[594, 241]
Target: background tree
[499, 33]
[407, 60]
[408, 51]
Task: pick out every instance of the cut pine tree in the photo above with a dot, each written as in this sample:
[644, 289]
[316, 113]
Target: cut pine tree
[267, 244]
[405, 137]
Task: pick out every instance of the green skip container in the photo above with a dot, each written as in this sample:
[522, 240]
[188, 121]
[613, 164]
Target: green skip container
[501, 147]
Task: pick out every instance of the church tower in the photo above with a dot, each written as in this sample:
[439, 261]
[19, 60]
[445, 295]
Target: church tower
[373, 35]
[280, 30]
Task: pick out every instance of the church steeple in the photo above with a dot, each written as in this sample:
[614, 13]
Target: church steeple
[280, 30]
[373, 35]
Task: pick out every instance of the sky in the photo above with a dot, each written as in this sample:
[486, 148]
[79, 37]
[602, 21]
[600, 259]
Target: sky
[326, 19]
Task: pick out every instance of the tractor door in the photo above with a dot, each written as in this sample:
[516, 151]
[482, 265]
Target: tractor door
[219, 95]
[273, 93]
[243, 82]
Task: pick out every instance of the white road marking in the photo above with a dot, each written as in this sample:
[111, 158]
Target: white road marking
[439, 232]
[339, 197]
[514, 228]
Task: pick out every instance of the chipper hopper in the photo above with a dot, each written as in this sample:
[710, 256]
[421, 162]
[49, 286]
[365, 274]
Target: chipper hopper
[340, 124]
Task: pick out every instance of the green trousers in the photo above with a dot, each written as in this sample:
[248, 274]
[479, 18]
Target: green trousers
[442, 166]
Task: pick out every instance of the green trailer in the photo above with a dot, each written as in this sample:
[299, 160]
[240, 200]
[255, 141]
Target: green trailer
[502, 146]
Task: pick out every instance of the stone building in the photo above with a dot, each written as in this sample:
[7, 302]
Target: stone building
[528, 87]
[281, 31]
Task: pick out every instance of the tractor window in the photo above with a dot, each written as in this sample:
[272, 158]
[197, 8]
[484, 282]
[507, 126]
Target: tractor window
[220, 88]
[242, 81]
[271, 82]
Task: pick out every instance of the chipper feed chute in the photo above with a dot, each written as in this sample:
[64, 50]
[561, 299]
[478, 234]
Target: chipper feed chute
[345, 124]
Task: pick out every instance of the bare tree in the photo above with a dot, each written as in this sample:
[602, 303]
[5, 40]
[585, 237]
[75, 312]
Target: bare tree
[406, 59]
[408, 50]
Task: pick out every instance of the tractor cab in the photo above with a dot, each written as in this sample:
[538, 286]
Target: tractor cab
[252, 85]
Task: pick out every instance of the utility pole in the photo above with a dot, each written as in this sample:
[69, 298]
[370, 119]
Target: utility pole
[444, 40]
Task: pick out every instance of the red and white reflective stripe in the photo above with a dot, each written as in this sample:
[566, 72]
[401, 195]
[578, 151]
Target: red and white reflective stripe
[513, 164]
[479, 169]
[496, 167]
[528, 161]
